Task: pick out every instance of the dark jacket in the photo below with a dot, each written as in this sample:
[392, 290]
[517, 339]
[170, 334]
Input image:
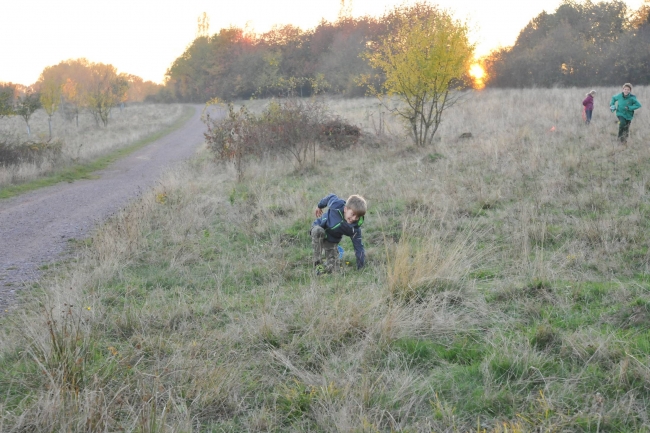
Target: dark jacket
[588, 102]
[335, 226]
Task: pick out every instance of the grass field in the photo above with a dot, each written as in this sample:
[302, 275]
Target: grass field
[507, 289]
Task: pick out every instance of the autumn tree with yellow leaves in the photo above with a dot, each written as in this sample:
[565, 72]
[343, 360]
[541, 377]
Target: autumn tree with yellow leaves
[106, 88]
[423, 59]
[77, 84]
[51, 92]
[73, 98]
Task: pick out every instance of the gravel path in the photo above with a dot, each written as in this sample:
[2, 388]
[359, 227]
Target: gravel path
[36, 227]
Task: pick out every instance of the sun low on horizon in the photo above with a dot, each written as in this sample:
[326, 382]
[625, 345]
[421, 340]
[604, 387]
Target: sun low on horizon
[143, 37]
[477, 73]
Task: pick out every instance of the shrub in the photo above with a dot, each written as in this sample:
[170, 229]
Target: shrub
[338, 134]
[29, 152]
[232, 139]
[289, 127]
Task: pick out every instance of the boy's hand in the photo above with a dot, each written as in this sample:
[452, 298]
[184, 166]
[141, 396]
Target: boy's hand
[318, 212]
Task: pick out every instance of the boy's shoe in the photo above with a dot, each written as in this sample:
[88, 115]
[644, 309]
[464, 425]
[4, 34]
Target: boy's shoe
[320, 270]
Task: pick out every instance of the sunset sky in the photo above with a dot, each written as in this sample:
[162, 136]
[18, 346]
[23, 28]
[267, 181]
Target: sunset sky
[143, 37]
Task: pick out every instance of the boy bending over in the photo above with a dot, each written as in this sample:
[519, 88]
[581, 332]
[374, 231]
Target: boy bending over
[342, 217]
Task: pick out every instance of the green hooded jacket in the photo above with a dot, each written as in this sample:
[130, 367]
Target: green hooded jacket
[626, 105]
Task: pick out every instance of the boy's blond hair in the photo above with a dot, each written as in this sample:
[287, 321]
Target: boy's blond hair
[628, 85]
[357, 204]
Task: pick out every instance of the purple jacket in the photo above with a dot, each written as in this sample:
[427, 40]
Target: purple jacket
[588, 102]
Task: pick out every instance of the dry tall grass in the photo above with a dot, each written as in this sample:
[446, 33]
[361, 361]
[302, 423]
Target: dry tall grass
[506, 289]
[85, 142]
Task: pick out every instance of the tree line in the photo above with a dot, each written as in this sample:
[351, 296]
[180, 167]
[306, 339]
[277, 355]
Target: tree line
[236, 64]
[331, 58]
[72, 86]
[422, 61]
[580, 44]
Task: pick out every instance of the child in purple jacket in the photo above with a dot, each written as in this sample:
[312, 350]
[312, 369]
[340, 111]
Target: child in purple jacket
[588, 103]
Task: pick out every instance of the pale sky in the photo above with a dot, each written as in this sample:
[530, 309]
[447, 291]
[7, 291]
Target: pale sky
[143, 37]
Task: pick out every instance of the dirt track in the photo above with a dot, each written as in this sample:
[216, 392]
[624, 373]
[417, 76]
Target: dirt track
[36, 227]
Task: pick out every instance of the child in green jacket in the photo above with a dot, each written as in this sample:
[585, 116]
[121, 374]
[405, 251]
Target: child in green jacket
[624, 104]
